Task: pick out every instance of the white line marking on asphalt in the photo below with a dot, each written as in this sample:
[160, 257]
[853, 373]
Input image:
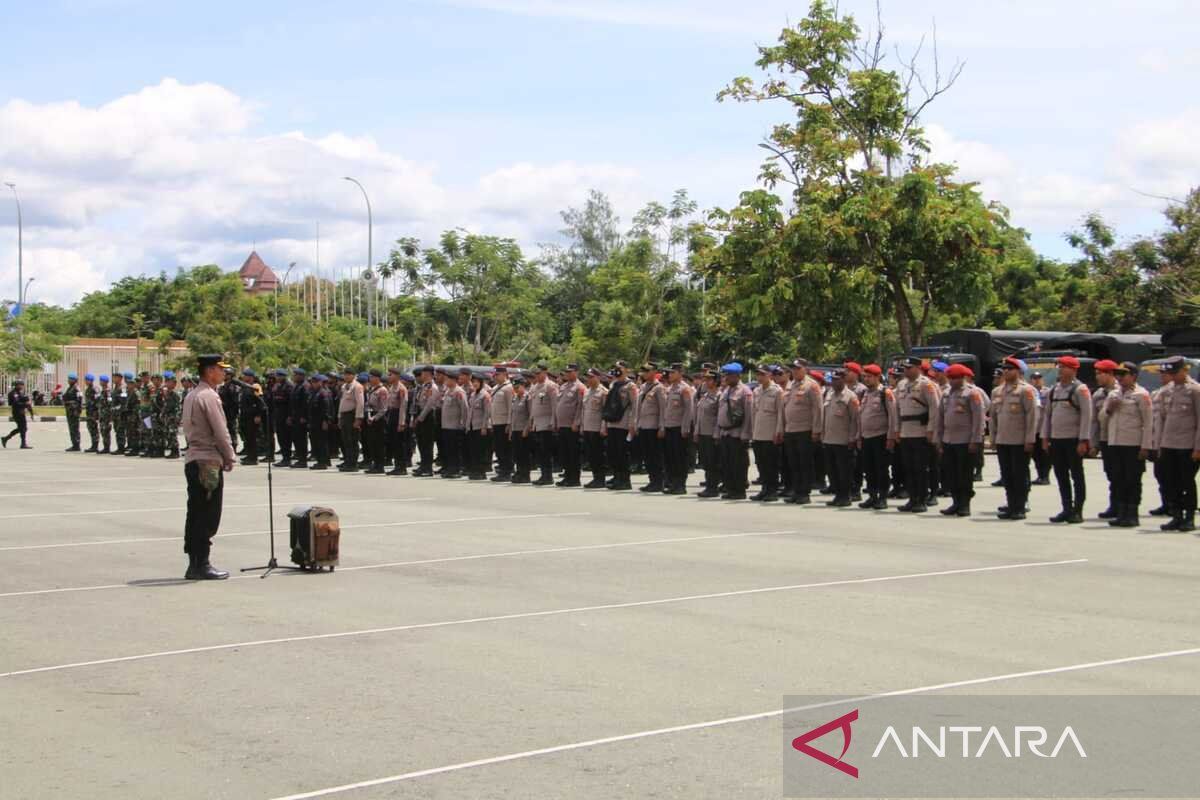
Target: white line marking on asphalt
[264, 532]
[535, 614]
[445, 560]
[173, 489]
[716, 723]
[174, 508]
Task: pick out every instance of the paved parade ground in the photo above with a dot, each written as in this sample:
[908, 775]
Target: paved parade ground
[496, 641]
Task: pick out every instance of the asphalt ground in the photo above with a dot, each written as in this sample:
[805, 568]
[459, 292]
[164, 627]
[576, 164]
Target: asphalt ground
[496, 641]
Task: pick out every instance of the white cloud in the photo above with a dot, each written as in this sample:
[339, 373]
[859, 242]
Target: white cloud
[174, 175]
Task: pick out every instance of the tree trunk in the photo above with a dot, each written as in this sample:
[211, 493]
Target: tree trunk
[904, 315]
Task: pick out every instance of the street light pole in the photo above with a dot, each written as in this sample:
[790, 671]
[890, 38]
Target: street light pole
[20, 262]
[370, 251]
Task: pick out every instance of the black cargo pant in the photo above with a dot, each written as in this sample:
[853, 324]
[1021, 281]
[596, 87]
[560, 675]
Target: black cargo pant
[799, 448]
[1068, 472]
[283, 432]
[426, 433]
[320, 443]
[520, 455]
[568, 454]
[914, 451]
[766, 461]
[675, 458]
[477, 450]
[652, 454]
[300, 441]
[710, 462]
[544, 441]
[594, 443]
[1179, 472]
[349, 439]
[958, 463]
[735, 464]
[203, 513]
[503, 447]
[1041, 459]
[1106, 459]
[1014, 472]
[875, 458]
[838, 463]
[618, 454]
[1125, 472]
[395, 438]
[376, 441]
[453, 444]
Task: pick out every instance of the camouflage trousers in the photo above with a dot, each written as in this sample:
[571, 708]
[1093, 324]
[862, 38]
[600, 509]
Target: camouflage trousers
[105, 434]
[170, 437]
[73, 427]
[93, 426]
[134, 433]
[119, 423]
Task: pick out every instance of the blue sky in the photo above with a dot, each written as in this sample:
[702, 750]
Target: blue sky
[145, 135]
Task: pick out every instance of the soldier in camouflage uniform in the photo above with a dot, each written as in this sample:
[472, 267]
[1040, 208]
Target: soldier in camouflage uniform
[119, 396]
[72, 403]
[91, 404]
[134, 429]
[172, 415]
[105, 415]
[158, 434]
[145, 412]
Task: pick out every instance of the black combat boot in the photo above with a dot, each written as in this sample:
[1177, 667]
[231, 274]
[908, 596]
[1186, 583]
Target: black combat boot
[1176, 523]
[1076, 517]
[1189, 522]
[1062, 516]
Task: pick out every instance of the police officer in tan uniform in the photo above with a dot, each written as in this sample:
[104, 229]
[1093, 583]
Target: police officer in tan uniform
[803, 407]
[623, 397]
[677, 424]
[543, 397]
[879, 429]
[707, 400]
[1014, 431]
[518, 430]
[918, 402]
[454, 427]
[1066, 430]
[502, 394]
[767, 433]
[735, 423]
[568, 416]
[652, 407]
[1106, 385]
[840, 436]
[594, 428]
[960, 437]
[1179, 444]
[1128, 418]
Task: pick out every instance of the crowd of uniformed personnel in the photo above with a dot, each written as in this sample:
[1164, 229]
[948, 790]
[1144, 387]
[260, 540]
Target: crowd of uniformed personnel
[863, 434]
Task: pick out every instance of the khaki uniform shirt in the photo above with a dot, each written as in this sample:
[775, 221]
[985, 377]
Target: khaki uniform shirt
[518, 417]
[706, 412]
[630, 402]
[377, 403]
[803, 408]
[680, 408]
[962, 416]
[454, 409]
[1014, 414]
[768, 412]
[593, 408]
[352, 399]
[878, 416]
[652, 407]
[841, 417]
[428, 400]
[738, 397]
[542, 399]
[1099, 433]
[204, 427]
[1128, 417]
[1181, 417]
[917, 402]
[1067, 413]
[501, 403]
[568, 413]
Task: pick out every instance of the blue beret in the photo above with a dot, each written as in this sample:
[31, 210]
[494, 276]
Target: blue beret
[89, 377]
[168, 375]
[281, 373]
[249, 373]
[363, 377]
[104, 379]
[732, 368]
[298, 371]
[407, 376]
[71, 376]
[941, 366]
[127, 376]
[322, 377]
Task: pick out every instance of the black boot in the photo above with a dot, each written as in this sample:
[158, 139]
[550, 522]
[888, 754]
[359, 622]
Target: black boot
[1062, 516]
[1175, 524]
[1076, 517]
[1189, 522]
[964, 506]
[191, 574]
[207, 572]
[950, 510]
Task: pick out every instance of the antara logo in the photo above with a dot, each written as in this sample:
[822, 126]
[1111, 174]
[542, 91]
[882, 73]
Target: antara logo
[1030, 738]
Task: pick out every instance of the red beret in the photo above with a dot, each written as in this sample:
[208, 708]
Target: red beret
[1068, 361]
[1106, 365]
[853, 366]
[817, 375]
[959, 371]
[873, 369]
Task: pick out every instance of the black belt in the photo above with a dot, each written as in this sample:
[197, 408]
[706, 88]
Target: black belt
[922, 418]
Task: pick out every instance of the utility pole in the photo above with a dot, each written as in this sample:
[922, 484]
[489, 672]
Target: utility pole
[20, 267]
[370, 251]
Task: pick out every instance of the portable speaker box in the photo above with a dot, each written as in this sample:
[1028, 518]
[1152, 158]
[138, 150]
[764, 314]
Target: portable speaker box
[315, 537]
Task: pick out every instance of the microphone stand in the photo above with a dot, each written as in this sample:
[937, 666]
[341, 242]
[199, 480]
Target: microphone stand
[272, 564]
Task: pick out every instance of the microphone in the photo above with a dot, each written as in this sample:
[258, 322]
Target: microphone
[242, 384]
